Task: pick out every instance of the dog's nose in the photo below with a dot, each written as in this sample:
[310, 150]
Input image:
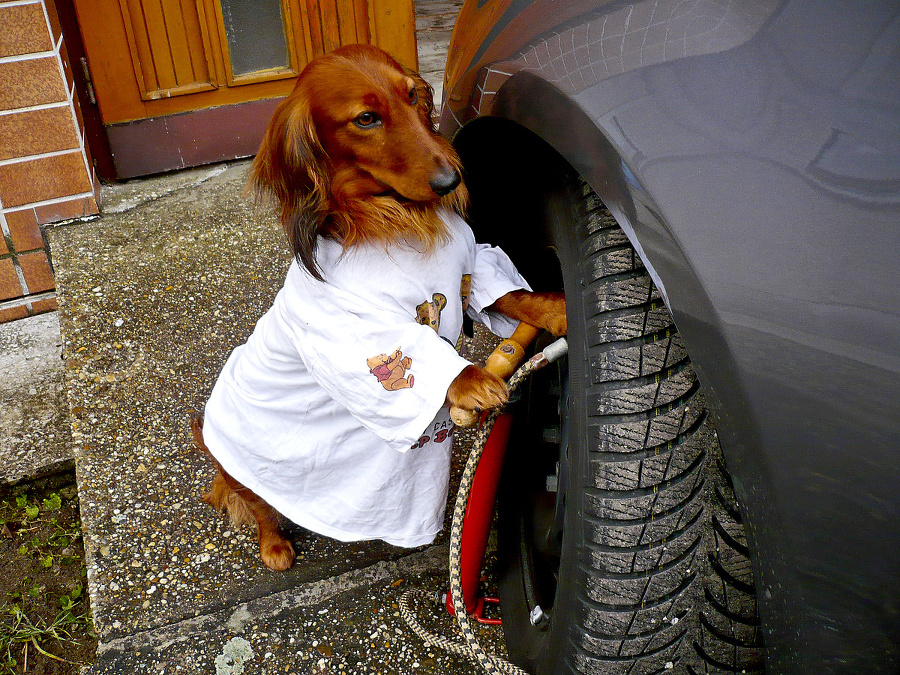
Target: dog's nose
[445, 181]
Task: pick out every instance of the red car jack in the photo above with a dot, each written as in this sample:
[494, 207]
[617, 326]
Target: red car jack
[480, 508]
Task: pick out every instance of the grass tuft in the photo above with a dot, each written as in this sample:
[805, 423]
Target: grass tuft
[44, 611]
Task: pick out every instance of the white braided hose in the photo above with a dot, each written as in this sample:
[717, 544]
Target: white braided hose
[491, 664]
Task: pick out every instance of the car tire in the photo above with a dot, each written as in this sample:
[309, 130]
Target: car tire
[621, 545]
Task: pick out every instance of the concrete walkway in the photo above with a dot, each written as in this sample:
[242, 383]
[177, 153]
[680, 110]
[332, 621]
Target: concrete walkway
[153, 297]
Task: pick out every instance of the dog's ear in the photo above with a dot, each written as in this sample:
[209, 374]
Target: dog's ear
[290, 167]
[426, 99]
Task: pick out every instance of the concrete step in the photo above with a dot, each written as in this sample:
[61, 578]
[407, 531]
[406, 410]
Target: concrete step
[35, 438]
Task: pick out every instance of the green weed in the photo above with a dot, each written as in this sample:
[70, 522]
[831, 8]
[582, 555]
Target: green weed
[17, 629]
[42, 585]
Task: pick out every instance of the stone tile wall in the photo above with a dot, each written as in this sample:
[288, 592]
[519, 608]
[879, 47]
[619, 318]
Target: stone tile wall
[46, 172]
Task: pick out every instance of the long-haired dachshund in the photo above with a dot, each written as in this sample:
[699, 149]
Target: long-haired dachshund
[354, 164]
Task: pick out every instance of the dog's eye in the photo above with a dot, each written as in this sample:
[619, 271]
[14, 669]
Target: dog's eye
[367, 120]
[413, 96]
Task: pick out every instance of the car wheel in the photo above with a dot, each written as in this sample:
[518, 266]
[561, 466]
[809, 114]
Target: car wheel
[621, 543]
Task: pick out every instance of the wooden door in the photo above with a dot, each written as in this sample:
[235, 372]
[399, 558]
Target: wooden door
[186, 82]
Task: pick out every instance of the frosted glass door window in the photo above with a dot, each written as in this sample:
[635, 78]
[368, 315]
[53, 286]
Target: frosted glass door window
[256, 37]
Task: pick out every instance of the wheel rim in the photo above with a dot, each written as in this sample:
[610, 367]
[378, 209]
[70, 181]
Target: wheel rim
[543, 434]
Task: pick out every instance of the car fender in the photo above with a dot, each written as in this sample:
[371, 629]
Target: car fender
[690, 154]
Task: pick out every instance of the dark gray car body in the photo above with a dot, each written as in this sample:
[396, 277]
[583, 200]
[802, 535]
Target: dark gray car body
[751, 151]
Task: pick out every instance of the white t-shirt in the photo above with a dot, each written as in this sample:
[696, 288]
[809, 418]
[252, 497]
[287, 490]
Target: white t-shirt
[333, 411]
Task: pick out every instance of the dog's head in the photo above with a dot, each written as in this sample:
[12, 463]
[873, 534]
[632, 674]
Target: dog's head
[353, 154]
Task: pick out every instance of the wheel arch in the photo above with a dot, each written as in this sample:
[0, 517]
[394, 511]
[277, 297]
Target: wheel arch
[527, 142]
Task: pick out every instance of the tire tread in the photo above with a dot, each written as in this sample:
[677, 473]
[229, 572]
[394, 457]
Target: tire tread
[649, 467]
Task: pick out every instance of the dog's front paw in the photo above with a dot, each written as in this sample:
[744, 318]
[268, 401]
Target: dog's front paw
[551, 312]
[276, 552]
[477, 389]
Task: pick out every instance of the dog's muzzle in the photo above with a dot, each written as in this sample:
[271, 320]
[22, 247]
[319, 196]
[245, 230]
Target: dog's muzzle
[445, 181]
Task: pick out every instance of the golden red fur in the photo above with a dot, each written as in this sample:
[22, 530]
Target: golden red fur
[352, 154]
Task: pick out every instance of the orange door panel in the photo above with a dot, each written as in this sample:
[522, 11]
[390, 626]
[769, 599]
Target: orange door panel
[186, 82]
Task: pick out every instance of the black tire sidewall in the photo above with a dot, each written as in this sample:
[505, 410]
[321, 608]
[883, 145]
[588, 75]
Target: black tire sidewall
[544, 651]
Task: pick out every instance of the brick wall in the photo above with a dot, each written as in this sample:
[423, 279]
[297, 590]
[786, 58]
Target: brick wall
[46, 172]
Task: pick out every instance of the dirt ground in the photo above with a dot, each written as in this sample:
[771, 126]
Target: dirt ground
[45, 624]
